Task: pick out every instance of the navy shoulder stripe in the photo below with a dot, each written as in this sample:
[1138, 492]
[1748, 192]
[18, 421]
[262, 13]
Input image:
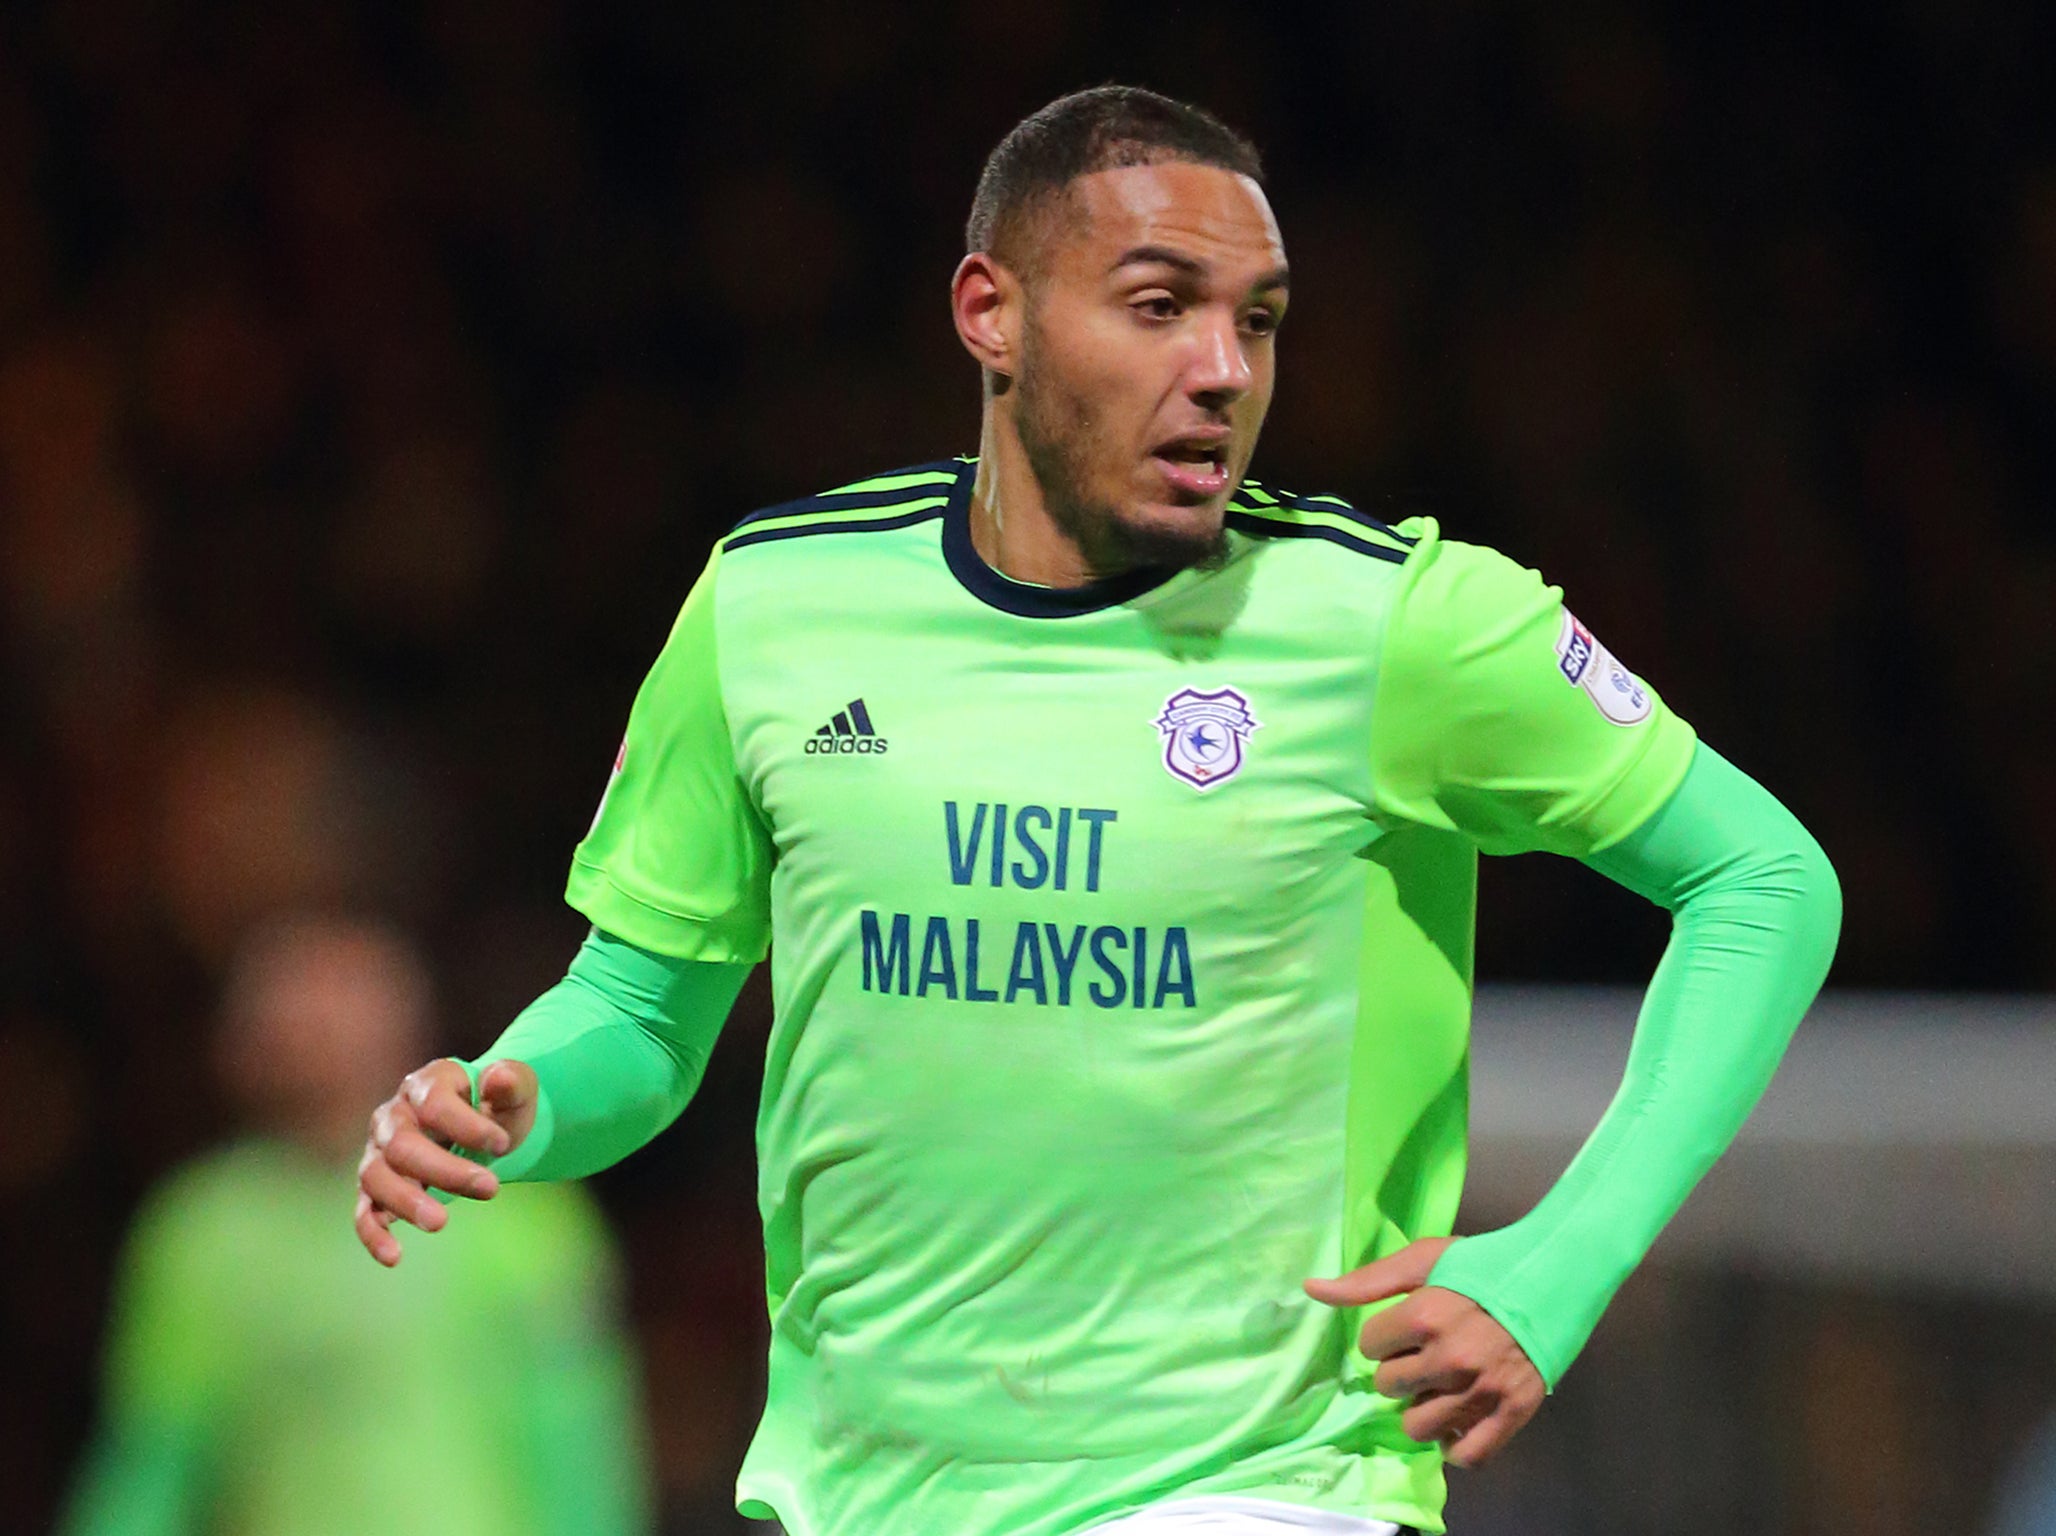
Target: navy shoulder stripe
[1341, 508]
[1267, 512]
[743, 540]
[1278, 528]
[877, 491]
[1255, 496]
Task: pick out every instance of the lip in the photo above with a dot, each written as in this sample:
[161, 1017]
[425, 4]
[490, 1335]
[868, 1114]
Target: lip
[1190, 477]
[1200, 482]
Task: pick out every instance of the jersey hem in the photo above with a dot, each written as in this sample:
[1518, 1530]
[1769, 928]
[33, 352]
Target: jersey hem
[1659, 791]
[595, 895]
[1259, 1506]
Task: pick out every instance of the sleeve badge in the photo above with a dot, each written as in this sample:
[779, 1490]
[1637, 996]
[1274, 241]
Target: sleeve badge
[1615, 692]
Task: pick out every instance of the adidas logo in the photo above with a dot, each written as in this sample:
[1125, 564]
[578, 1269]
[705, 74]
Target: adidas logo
[850, 731]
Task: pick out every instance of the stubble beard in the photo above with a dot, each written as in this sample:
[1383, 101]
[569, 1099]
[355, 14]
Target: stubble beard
[1061, 435]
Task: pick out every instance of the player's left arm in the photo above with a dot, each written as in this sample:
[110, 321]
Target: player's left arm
[1546, 742]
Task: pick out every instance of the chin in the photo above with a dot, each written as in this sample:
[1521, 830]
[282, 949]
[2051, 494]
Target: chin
[1175, 536]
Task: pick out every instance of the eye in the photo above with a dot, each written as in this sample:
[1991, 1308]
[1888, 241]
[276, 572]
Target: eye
[1262, 322]
[1157, 306]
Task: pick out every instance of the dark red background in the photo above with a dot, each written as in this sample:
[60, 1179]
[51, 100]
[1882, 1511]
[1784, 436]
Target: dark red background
[374, 378]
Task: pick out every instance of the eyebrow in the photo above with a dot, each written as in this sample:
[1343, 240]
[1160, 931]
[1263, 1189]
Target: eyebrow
[1164, 256]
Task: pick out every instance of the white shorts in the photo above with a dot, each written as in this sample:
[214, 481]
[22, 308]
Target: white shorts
[1222, 1515]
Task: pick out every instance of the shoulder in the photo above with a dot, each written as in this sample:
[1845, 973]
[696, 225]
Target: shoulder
[538, 1231]
[1438, 592]
[1267, 512]
[898, 498]
[199, 1210]
[538, 1241]
[208, 1185]
[1454, 588]
[1421, 580]
[562, 1213]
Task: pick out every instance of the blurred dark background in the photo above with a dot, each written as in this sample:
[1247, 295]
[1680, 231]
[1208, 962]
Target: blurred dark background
[373, 380]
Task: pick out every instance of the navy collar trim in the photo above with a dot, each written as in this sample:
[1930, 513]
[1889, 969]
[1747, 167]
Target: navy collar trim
[1017, 597]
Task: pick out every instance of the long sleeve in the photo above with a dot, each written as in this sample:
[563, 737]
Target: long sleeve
[1756, 912]
[618, 1047]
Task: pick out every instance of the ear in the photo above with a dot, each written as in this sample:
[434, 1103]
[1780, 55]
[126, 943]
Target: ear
[986, 299]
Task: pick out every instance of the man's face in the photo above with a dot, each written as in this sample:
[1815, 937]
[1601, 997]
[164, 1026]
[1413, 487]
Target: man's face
[1147, 358]
[323, 1017]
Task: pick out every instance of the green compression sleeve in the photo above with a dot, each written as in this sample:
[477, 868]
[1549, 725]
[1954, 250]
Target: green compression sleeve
[1756, 910]
[618, 1047]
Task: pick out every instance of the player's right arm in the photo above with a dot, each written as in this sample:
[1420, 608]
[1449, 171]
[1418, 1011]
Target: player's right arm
[590, 1071]
[675, 876]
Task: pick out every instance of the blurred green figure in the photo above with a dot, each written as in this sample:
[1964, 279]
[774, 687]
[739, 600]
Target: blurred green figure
[263, 1380]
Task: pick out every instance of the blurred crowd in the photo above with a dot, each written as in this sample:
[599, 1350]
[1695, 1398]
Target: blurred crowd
[373, 380]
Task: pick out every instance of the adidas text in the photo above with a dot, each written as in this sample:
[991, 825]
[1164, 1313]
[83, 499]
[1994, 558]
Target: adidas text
[850, 731]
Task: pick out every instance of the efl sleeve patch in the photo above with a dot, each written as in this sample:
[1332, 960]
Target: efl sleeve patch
[1615, 692]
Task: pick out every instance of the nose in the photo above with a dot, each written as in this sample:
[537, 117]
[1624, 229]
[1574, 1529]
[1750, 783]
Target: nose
[1219, 373]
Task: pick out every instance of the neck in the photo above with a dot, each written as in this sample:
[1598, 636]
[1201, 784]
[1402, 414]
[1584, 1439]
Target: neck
[1011, 526]
[317, 1131]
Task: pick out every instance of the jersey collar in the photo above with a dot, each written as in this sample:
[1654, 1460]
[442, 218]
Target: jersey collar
[1020, 597]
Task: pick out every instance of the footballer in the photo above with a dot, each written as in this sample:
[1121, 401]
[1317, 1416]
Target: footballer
[1111, 818]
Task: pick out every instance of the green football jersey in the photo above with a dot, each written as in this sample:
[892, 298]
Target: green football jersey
[1122, 970]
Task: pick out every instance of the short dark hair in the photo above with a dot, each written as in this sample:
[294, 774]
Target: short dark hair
[1099, 129]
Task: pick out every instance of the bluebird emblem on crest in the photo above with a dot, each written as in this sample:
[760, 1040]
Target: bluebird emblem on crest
[1203, 735]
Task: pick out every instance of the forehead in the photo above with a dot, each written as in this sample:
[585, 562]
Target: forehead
[1213, 215]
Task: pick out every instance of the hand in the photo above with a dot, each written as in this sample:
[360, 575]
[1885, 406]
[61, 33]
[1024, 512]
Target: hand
[407, 1153]
[1465, 1382]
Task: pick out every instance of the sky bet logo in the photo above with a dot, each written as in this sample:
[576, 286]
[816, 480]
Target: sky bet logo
[850, 731]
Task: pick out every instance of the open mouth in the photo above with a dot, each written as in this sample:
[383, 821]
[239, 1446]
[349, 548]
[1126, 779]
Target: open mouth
[1196, 467]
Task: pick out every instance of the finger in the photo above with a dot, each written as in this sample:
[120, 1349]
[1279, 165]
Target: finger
[388, 1120]
[1483, 1440]
[1446, 1416]
[444, 1107]
[1478, 1442]
[1393, 1332]
[1393, 1275]
[400, 1196]
[412, 1154]
[1421, 1373]
[505, 1087]
[373, 1231]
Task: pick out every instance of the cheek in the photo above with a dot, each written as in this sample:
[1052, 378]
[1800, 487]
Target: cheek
[1106, 383]
[1263, 379]
[1114, 370]
[1112, 404]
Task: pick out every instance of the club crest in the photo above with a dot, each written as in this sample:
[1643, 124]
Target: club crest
[1203, 735]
